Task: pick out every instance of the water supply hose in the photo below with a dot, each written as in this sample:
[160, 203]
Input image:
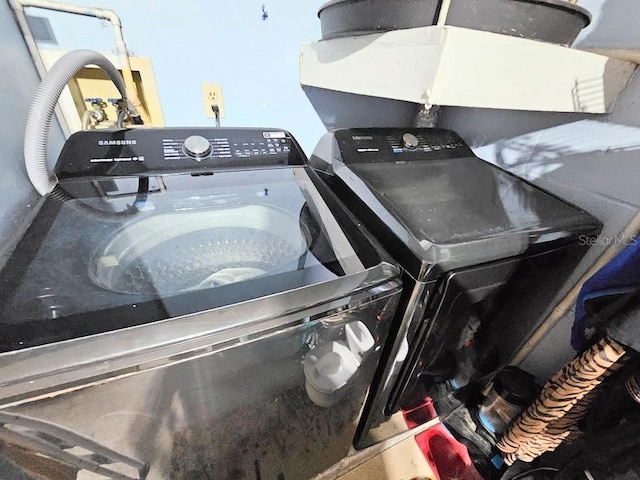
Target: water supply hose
[42, 108]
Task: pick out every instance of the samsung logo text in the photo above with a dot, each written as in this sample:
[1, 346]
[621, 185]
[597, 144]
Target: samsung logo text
[362, 137]
[109, 143]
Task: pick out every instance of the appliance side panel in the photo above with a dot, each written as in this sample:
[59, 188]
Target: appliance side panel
[483, 316]
[345, 110]
[235, 411]
[588, 160]
[18, 83]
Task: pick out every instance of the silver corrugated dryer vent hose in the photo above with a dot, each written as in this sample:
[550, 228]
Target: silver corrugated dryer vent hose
[42, 108]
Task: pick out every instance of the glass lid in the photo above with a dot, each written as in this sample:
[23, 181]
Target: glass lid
[134, 250]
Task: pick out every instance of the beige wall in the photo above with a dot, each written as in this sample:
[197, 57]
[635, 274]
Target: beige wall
[92, 82]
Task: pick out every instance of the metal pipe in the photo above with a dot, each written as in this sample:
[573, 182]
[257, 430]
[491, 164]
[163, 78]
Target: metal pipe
[38, 445]
[70, 437]
[630, 233]
[86, 119]
[102, 13]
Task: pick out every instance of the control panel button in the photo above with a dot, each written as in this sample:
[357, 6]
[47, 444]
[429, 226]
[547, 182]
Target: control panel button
[197, 147]
[409, 140]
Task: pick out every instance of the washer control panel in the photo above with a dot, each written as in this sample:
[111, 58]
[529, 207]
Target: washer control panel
[153, 151]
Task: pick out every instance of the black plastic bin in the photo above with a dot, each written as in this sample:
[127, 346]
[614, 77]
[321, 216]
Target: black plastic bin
[554, 21]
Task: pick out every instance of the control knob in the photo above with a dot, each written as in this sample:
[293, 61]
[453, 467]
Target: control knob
[197, 147]
[409, 140]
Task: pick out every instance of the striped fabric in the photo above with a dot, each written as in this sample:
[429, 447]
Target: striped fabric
[552, 418]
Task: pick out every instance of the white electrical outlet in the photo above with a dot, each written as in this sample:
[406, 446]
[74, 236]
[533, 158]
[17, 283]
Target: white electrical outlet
[212, 95]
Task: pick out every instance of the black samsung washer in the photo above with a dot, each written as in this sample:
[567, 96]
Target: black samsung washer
[184, 285]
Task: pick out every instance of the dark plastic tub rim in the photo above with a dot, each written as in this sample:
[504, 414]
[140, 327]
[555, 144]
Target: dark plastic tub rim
[571, 7]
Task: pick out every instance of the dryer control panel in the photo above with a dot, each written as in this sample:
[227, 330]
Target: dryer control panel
[399, 145]
[153, 151]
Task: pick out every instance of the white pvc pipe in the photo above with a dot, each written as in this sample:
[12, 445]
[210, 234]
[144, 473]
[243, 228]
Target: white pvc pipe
[102, 13]
[35, 55]
[444, 12]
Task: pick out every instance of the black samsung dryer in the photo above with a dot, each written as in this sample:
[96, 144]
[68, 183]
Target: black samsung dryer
[484, 254]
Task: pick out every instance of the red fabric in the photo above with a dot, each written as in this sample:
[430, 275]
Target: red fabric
[447, 457]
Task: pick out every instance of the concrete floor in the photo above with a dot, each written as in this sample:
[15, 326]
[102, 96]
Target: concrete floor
[174, 430]
[401, 462]
[395, 459]
[398, 458]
